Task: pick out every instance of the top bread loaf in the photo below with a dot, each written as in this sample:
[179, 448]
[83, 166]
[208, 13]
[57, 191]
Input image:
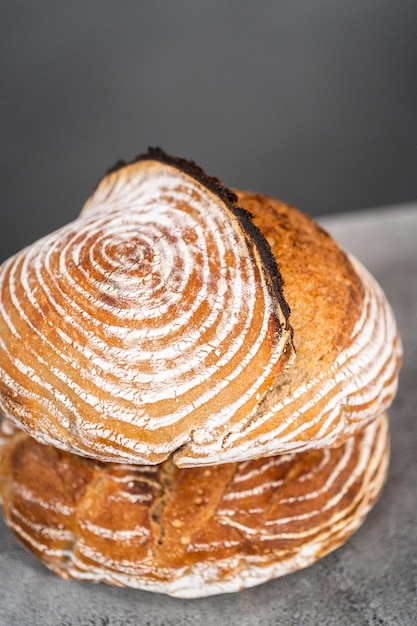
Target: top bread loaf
[175, 318]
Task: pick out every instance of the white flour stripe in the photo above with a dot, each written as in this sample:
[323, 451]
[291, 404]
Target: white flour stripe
[138, 532]
[49, 532]
[50, 505]
[254, 491]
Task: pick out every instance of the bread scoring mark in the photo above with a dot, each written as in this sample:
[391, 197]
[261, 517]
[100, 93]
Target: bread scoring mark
[344, 398]
[151, 295]
[230, 199]
[359, 372]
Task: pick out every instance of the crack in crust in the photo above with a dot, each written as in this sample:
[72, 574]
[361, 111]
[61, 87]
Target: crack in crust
[230, 199]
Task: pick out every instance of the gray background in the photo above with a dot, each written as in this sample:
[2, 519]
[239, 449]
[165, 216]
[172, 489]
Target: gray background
[312, 101]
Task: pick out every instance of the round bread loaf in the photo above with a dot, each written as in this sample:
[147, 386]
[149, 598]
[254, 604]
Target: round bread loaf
[194, 531]
[157, 325]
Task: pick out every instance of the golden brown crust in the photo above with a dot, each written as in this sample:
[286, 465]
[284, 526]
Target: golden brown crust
[348, 350]
[325, 291]
[189, 532]
[206, 373]
[228, 197]
[158, 309]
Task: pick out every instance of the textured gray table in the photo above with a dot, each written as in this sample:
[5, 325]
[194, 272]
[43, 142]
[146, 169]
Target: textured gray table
[372, 580]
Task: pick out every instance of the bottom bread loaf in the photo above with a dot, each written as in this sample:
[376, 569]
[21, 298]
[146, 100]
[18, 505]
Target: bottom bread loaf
[188, 532]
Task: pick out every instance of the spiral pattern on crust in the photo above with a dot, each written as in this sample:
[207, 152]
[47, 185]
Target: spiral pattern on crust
[189, 532]
[125, 328]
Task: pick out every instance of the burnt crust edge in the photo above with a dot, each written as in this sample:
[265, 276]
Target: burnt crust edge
[230, 199]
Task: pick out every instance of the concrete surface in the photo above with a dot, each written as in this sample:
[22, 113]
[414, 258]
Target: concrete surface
[371, 581]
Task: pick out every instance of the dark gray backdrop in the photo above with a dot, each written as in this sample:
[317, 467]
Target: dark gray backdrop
[311, 101]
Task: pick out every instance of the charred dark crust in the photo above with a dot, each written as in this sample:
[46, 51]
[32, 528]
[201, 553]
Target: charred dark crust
[229, 198]
[184, 165]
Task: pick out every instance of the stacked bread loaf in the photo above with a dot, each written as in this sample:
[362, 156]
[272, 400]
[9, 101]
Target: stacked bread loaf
[193, 383]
